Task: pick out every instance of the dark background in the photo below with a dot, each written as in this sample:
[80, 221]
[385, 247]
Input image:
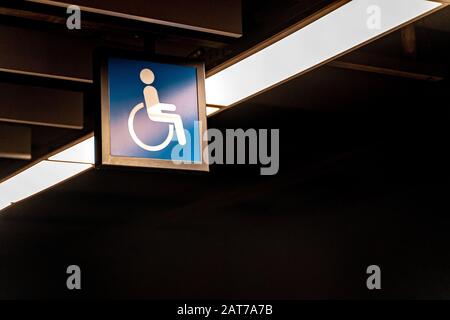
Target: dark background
[355, 188]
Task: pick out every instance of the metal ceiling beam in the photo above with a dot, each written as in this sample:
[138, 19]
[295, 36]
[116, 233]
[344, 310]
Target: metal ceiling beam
[51, 55]
[409, 41]
[41, 106]
[385, 71]
[15, 142]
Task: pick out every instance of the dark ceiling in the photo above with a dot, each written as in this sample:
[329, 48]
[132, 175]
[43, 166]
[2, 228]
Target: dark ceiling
[363, 179]
[260, 20]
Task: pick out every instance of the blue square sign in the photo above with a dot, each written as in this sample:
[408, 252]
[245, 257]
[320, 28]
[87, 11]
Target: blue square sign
[153, 114]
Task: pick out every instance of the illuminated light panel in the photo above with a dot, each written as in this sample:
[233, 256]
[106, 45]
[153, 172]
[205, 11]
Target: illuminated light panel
[37, 178]
[326, 38]
[47, 173]
[83, 152]
[211, 110]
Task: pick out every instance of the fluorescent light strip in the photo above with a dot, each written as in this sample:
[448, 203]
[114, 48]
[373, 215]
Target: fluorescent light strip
[211, 110]
[328, 37]
[83, 152]
[47, 173]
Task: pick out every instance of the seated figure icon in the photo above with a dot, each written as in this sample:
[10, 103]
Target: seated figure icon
[156, 112]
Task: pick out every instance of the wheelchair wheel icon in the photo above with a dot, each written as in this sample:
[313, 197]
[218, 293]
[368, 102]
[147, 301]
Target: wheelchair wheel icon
[157, 112]
[138, 141]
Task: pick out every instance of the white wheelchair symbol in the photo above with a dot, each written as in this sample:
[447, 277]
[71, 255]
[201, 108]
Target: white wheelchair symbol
[155, 111]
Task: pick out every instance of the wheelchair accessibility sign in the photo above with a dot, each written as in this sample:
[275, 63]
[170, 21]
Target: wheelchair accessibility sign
[153, 114]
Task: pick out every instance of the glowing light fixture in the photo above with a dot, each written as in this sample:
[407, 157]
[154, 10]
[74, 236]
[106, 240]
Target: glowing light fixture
[211, 110]
[347, 27]
[3, 205]
[47, 173]
[83, 152]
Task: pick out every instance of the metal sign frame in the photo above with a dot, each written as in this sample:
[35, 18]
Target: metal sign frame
[103, 129]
